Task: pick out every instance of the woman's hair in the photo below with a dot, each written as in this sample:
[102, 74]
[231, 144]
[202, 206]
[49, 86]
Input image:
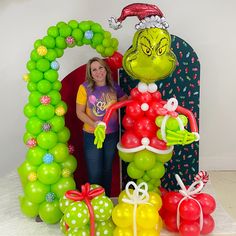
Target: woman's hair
[89, 78]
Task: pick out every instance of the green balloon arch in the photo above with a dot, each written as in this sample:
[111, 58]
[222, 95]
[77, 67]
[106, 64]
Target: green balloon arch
[47, 172]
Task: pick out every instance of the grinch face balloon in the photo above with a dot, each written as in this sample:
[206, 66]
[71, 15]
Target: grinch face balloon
[150, 58]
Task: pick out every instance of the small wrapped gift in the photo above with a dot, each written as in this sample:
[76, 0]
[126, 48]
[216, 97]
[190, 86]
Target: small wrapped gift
[188, 211]
[137, 211]
[86, 212]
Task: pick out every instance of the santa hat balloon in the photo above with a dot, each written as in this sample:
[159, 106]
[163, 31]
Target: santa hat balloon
[150, 16]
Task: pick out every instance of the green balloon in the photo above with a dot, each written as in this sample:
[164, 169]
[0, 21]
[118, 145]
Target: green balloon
[64, 202]
[100, 49]
[47, 140]
[70, 163]
[63, 185]
[57, 123]
[86, 41]
[159, 135]
[35, 56]
[49, 173]
[114, 42]
[184, 119]
[77, 34]
[37, 43]
[34, 125]
[50, 212]
[28, 136]
[146, 178]
[134, 172]
[24, 170]
[60, 42]
[45, 112]
[28, 208]
[144, 160]
[55, 97]
[48, 41]
[157, 171]
[35, 155]
[57, 85]
[60, 152]
[53, 31]
[80, 43]
[31, 86]
[61, 24]
[73, 24]
[164, 157]
[34, 98]
[35, 76]
[65, 31]
[96, 28]
[172, 124]
[109, 51]
[127, 157]
[31, 65]
[106, 42]
[84, 26]
[29, 110]
[44, 86]
[81, 231]
[97, 39]
[51, 75]
[36, 191]
[51, 55]
[105, 227]
[159, 120]
[43, 65]
[62, 104]
[63, 135]
[107, 34]
[59, 52]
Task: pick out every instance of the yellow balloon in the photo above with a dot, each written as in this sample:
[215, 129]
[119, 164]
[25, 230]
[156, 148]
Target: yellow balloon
[123, 231]
[155, 200]
[148, 232]
[122, 215]
[159, 226]
[123, 195]
[147, 216]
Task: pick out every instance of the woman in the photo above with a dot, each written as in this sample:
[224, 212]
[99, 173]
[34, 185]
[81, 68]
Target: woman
[94, 96]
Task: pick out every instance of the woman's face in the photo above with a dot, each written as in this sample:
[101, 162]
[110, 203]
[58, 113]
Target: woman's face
[98, 73]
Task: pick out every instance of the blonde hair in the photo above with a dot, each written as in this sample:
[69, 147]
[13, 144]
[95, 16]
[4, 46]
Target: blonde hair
[89, 78]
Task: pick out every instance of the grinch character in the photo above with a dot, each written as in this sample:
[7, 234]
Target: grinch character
[152, 126]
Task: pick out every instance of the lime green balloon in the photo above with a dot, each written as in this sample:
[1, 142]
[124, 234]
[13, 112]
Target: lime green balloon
[55, 97]
[49, 41]
[86, 41]
[29, 110]
[65, 31]
[84, 26]
[35, 56]
[127, 157]
[44, 86]
[157, 171]
[164, 157]
[36, 191]
[28, 136]
[109, 51]
[61, 24]
[155, 182]
[144, 160]
[34, 125]
[53, 31]
[60, 42]
[150, 186]
[114, 42]
[134, 172]
[172, 124]
[81, 231]
[100, 49]
[60, 152]
[105, 227]
[28, 208]
[37, 43]
[64, 202]
[35, 155]
[47, 140]
[70, 163]
[107, 34]
[59, 52]
[77, 34]
[43, 65]
[184, 119]
[57, 123]
[45, 112]
[63, 135]
[159, 135]
[24, 170]
[51, 75]
[97, 39]
[31, 65]
[106, 42]
[96, 28]
[34, 98]
[49, 173]
[63, 185]
[35, 76]
[73, 24]
[32, 86]
[146, 178]
[51, 55]
[159, 120]
[62, 104]
[50, 212]
[57, 85]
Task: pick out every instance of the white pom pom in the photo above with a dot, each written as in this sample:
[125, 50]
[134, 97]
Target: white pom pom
[152, 88]
[144, 107]
[145, 141]
[142, 87]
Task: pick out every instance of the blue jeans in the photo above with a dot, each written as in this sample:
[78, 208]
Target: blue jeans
[99, 161]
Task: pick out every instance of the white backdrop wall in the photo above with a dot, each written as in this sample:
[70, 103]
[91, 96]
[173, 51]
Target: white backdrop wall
[208, 26]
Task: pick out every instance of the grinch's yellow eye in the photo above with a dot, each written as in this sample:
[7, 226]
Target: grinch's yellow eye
[161, 50]
[146, 50]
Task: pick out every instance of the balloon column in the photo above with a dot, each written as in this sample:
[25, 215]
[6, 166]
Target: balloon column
[47, 172]
[152, 126]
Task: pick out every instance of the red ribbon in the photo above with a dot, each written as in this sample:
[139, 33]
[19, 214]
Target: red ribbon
[163, 111]
[86, 195]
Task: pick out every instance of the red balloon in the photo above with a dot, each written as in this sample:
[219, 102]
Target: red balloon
[145, 97]
[128, 122]
[135, 93]
[115, 61]
[207, 202]
[170, 222]
[134, 110]
[189, 210]
[171, 201]
[189, 228]
[130, 140]
[157, 143]
[156, 96]
[144, 127]
[208, 224]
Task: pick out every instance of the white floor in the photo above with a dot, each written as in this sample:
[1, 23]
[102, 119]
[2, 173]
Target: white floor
[12, 223]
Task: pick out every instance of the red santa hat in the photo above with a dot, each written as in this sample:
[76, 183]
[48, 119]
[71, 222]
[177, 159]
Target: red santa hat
[150, 16]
